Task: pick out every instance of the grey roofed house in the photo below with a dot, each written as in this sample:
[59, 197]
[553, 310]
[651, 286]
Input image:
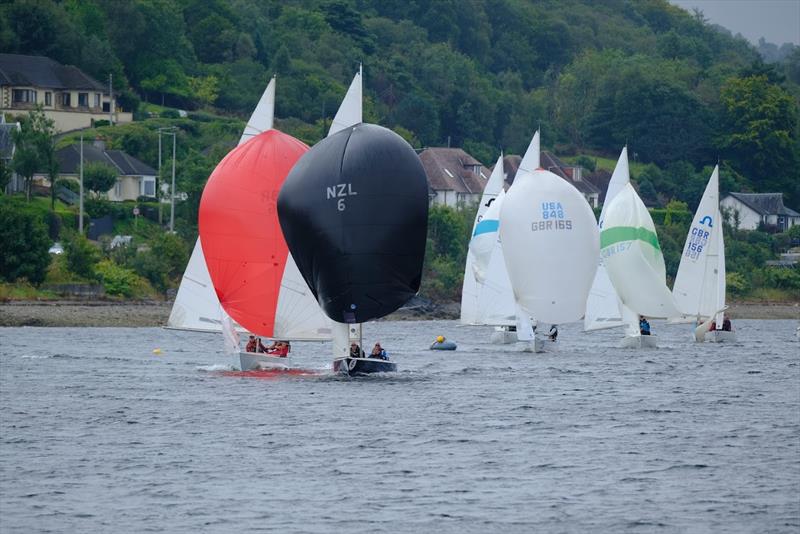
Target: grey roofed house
[755, 209]
[134, 177]
[765, 203]
[547, 161]
[40, 71]
[455, 178]
[69, 160]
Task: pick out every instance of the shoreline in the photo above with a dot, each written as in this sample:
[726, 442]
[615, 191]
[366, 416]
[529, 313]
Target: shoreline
[102, 313]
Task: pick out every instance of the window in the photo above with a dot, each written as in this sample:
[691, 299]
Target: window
[118, 189]
[148, 187]
[66, 99]
[97, 100]
[83, 100]
[23, 96]
[48, 98]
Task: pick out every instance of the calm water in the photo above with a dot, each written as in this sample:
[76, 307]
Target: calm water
[98, 434]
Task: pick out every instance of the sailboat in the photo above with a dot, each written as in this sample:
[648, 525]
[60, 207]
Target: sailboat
[255, 277]
[635, 264]
[196, 305]
[550, 243]
[354, 211]
[603, 307]
[699, 288]
[486, 295]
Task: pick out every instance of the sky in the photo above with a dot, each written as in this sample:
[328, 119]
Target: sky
[778, 21]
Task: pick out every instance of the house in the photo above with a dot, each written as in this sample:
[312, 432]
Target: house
[7, 149]
[547, 161]
[72, 99]
[753, 210]
[135, 178]
[455, 178]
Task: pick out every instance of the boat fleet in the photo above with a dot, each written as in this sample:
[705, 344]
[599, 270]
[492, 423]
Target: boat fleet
[299, 243]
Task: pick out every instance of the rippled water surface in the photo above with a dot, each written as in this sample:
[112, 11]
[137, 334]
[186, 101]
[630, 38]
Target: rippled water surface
[98, 434]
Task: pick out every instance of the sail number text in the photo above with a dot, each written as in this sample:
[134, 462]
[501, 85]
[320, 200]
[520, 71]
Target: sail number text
[697, 242]
[340, 192]
[553, 218]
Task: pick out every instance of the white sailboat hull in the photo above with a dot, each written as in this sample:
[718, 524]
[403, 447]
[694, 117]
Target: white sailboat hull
[503, 336]
[720, 336]
[250, 361]
[639, 342]
[539, 345]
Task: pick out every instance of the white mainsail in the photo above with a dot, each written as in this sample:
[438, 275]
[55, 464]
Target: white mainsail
[699, 288]
[489, 301]
[603, 308]
[263, 116]
[550, 243]
[633, 257]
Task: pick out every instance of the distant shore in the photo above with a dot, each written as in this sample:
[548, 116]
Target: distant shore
[154, 313]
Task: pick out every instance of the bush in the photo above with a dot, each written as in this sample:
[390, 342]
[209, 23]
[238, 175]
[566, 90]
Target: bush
[81, 256]
[23, 245]
[170, 114]
[120, 281]
[736, 284]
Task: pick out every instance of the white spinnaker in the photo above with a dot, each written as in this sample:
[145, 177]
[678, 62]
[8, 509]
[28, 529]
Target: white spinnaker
[699, 288]
[263, 116]
[603, 307]
[633, 257]
[550, 242]
[473, 293]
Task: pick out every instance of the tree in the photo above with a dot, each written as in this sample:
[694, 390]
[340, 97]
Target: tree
[24, 242]
[33, 146]
[99, 177]
[758, 132]
[81, 256]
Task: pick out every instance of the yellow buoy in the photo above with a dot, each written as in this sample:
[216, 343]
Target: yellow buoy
[156, 351]
[440, 339]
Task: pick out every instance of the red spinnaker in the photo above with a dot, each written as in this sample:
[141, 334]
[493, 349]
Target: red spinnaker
[239, 230]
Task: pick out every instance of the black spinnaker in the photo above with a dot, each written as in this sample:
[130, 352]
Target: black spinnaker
[354, 212]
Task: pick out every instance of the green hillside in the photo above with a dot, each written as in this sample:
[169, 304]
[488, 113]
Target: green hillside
[479, 74]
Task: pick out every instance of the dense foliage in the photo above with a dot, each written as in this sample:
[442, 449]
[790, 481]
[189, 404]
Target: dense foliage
[478, 73]
[24, 244]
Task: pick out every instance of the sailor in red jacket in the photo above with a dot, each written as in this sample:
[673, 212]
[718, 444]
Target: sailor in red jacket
[281, 349]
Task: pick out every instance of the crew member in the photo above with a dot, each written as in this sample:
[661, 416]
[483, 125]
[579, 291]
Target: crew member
[553, 332]
[355, 350]
[378, 352]
[644, 326]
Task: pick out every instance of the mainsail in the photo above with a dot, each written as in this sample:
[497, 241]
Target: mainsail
[550, 243]
[603, 308]
[486, 295]
[699, 288]
[633, 257]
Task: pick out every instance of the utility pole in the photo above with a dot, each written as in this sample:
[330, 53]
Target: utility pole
[80, 199]
[172, 189]
[158, 191]
[110, 102]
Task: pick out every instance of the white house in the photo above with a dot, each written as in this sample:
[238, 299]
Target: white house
[455, 178]
[754, 209]
[68, 96]
[134, 178]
